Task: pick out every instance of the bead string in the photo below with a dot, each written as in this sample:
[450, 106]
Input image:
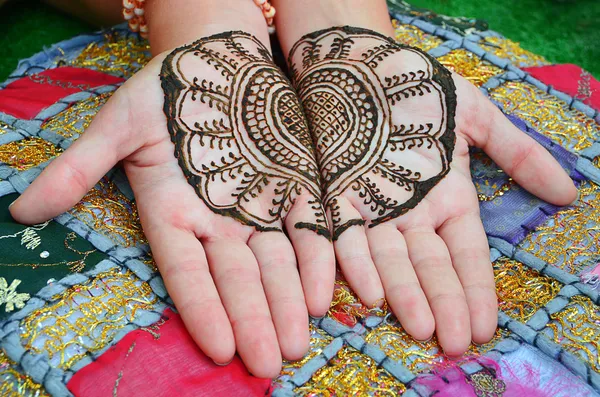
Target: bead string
[133, 12]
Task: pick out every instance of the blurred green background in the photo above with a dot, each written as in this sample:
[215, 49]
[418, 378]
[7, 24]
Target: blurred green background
[564, 31]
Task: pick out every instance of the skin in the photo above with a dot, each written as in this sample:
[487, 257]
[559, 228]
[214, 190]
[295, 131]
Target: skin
[432, 264]
[238, 289]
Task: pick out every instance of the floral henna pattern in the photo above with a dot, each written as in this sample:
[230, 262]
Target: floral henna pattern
[240, 133]
[382, 119]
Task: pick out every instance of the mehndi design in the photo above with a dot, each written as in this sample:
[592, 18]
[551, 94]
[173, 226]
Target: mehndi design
[239, 131]
[382, 119]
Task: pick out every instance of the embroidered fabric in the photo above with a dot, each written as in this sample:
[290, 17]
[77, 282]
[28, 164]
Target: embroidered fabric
[92, 320]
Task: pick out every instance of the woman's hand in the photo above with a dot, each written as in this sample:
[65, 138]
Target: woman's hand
[216, 229]
[392, 129]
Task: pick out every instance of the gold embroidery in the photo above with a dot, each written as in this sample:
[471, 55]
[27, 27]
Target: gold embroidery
[485, 385]
[499, 190]
[73, 121]
[346, 308]
[416, 355]
[75, 265]
[522, 291]
[15, 384]
[27, 153]
[484, 169]
[119, 55]
[548, 115]
[570, 239]
[108, 211]
[4, 128]
[318, 341]
[148, 259]
[505, 48]
[415, 37]
[85, 318]
[10, 296]
[351, 373]
[469, 66]
[576, 329]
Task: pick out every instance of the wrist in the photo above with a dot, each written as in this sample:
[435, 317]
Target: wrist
[178, 22]
[298, 18]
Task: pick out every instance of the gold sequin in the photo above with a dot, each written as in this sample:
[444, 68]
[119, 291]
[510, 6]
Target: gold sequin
[522, 291]
[10, 296]
[86, 318]
[499, 190]
[73, 121]
[15, 384]
[469, 66]
[548, 115]
[318, 341]
[119, 55]
[109, 212]
[505, 48]
[419, 356]
[570, 239]
[351, 373]
[576, 329]
[27, 153]
[415, 37]
[484, 170]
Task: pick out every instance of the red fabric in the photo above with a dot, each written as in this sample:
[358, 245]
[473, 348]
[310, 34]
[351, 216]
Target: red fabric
[26, 97]
[569, 79]
[171, 365]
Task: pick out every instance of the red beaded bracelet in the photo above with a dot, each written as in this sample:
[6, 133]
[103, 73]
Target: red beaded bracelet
[133, 12]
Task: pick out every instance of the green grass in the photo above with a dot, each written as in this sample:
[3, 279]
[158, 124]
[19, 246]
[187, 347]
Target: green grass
[26, 27]
[563, 31]
[566, 31]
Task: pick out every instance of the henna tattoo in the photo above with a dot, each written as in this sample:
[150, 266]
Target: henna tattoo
[382, 119]
[239, 131]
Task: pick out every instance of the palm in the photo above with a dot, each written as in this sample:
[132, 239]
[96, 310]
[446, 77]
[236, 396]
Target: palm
[216, 230]
[396, 177]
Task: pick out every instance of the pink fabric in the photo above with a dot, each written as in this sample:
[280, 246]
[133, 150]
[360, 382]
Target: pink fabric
[26, 97]
[571, 80]
[170, 365]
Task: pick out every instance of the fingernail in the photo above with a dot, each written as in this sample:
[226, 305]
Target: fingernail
[11, 204]
[424, 340]
[223, 365]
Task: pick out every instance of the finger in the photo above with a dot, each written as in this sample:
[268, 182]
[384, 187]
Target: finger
[314, 252]
[402, 288]
[353, 255]
[281, 281]
[236, 274]
[68, 178]
[183, 265]
[431, 260]
[468, 246]
[529, 164]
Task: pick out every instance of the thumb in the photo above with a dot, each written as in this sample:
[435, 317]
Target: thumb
[68, 178]
[524, 159]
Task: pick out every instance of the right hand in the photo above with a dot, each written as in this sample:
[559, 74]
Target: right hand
[234, 281]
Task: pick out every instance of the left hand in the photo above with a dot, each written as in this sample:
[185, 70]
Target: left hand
[392, 130]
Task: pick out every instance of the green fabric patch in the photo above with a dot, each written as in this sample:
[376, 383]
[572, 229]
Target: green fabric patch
[36, 254]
